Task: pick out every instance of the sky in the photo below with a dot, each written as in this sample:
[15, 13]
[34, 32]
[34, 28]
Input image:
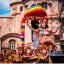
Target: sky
[5, 7]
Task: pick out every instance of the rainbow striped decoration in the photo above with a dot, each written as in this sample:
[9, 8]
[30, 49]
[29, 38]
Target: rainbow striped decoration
[34, 10]
[22, 34]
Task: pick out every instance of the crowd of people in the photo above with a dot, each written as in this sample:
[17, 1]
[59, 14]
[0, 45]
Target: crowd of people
[28, 55]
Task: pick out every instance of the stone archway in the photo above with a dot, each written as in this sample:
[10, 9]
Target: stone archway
[6, 38]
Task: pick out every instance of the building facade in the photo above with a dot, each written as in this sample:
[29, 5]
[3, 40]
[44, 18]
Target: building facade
[10, 26]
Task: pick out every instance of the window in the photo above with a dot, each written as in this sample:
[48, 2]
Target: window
[21, 8]
[14, 8]
[0, 27]
[0, 31]
[50, 4]
[44, 5]
[57, 38]
[12, 44]
[26, 6]
[9, 29]
[39, 3]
